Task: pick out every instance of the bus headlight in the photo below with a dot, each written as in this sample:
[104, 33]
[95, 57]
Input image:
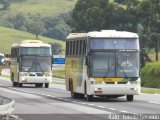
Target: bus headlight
[23, 74]
[134, 82]
[48, 74]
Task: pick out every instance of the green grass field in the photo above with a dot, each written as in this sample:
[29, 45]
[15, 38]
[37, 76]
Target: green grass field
[151, 75]
[10, 36]
[42, 7]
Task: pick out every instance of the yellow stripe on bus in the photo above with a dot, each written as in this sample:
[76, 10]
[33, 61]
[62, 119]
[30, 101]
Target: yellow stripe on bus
[108, 79]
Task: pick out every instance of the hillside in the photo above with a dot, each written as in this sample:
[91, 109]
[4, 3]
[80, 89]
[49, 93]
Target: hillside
[10, 36]
[41, 7]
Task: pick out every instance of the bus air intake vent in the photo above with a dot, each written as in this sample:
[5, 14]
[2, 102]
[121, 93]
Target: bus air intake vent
[122, 82]
[109, 82]
[39, 74]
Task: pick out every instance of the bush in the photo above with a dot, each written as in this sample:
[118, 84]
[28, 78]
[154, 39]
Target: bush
[150, 75]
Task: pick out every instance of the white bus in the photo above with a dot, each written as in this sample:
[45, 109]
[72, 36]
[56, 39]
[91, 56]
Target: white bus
[31, 63]
[104, 63]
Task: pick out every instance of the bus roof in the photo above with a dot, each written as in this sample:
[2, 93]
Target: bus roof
[104, 34]
[76, 35]
[31, 43]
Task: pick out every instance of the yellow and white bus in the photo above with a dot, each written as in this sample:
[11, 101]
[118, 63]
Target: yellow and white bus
[31, 63]
[1, 62]
[103, 63]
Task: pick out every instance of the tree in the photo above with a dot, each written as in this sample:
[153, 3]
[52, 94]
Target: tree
[37, 28]
[89, 15]
[57, 27]
[5, 3]
[56, 48]
[150, 19]
[19, 21]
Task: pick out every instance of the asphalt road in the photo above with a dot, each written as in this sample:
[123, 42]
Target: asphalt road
[54, 103]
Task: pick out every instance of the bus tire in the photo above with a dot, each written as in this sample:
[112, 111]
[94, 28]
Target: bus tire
[81, 96]
[13, 83]
[89, 98]
[19, 85]
[74, 95]
[129, 97]
[46, 85]
[38, 84]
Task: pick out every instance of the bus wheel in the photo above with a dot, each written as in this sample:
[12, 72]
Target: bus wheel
[13, 83]
[81, 96]
[89, 98]
[74, 95]
[46, 85]
[129, 97]
[19, 84]
[38, 84]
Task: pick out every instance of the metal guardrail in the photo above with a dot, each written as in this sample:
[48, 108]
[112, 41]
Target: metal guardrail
[7, 106]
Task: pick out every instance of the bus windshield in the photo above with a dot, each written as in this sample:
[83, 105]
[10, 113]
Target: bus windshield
[103, 64]
[114, 64]
[127, 64]
[35, 64]
[35, 51]
[114, 43]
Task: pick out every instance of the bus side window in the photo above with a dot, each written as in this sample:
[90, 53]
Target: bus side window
[71, 49]
[77, 47]
[74, 48]
[80, 50]
[67, 47]
[84, 47]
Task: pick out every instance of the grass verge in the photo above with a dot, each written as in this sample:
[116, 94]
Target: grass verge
[6, 76]
[59, 72]
[150, 90]
[60, 83]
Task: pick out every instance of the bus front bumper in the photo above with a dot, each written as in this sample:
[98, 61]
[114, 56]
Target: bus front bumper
[114, 90]
[35, 79]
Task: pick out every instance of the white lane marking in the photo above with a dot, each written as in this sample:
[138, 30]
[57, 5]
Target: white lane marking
[153, 102]
[112, 109]
[91, 104]
[83, 103]
[101, 106]
[50, 96]
[124, 111]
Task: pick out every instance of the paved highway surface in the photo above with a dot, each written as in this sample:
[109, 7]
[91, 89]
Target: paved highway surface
[54, 103]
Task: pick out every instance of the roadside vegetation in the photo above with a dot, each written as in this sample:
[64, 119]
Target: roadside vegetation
[150, 90]
[150, 74]
[59, 72]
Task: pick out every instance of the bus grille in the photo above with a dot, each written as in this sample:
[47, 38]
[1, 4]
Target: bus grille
[122, 82]
[109, 82]
[39, 74]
